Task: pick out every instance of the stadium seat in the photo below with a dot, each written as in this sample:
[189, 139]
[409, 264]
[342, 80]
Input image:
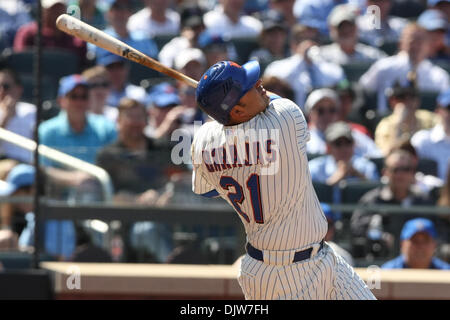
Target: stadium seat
[139, 72]
[49, 87]
[354, 71]
[379, 162]
[390, 48]
[428, 100]
[14, 260]
[427, 166]
[352, 191]
[26, 284]
[55, 63]
[244, 46]
[324, 192]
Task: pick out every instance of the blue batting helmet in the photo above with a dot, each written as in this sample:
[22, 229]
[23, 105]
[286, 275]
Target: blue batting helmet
[223, 85]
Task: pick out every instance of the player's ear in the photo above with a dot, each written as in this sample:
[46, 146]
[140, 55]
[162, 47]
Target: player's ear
[238, 113]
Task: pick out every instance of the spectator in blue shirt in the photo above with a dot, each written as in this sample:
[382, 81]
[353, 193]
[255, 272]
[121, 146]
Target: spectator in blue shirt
[75, 131]
[316, 12]
[341, 163]
[418, 245]
[117, 16]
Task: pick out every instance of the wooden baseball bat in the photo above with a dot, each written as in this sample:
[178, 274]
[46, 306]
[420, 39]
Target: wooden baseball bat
[88, 33]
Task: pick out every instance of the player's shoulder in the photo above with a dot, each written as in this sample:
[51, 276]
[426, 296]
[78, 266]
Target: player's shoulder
[285, 106]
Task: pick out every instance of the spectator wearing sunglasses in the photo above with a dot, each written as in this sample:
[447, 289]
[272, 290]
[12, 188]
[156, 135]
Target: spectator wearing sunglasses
[322, 109]
[406, 118]
[341, 163]
[15, 116]
[397, 189]
[74, 130]
[118, 70]
[99, 89]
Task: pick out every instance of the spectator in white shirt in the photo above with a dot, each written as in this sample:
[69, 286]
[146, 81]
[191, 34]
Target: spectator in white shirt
[322, 109]
[227, 19]
[191, 27]
[305, 70]
[435, 143]
[155, 19]
[389, 29]
[414, 50]
[16, 116]
[345, 47]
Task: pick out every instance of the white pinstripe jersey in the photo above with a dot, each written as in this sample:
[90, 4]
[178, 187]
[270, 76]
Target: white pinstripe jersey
[279, 211]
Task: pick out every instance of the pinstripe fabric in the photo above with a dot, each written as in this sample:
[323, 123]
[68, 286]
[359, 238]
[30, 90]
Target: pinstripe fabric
[324, 277]
[292, 216]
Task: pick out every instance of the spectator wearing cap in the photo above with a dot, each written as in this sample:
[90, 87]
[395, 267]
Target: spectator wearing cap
[191, 62]
[285, 8]
[304, 70]
[441, 5]
[316, 12]
[434, 143]
[435, 22]
[15, 115]
[156, 19]
[405, 120]
[350, 100]
[118, 70]
[398, 189]
[341, 163]
[418, 246]
[74, 130]
[332, 218]
[52, 37]
[272, 43]
[390, 27]
[117, 17]
[414, 50]
[58, 235]
[322, 108]
[228, 20]
[216, 48]
[345, 48]
[163, 100]
[191, 27]
[91, 13]
[99, 89]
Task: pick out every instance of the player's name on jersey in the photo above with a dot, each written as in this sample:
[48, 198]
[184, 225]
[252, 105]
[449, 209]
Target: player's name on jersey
[239, 155]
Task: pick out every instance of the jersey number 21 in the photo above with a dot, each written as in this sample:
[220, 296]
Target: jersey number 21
[237, 197]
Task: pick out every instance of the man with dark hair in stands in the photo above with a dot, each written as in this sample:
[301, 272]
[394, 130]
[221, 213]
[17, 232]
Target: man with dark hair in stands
[412, 58]
[406, 118]
[398, 189]
[418, 245]
[140, 167]
[52, 37]
[344, 34]
[228, 20]
[191, 27]
[15, 115]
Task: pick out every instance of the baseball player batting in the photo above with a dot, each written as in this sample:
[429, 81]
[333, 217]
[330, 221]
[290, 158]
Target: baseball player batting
[286, 255]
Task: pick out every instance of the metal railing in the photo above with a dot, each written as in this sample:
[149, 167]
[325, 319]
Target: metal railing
[64, 159]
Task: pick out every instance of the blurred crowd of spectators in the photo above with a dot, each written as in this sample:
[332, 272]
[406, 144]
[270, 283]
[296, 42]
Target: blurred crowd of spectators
[371, 76]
